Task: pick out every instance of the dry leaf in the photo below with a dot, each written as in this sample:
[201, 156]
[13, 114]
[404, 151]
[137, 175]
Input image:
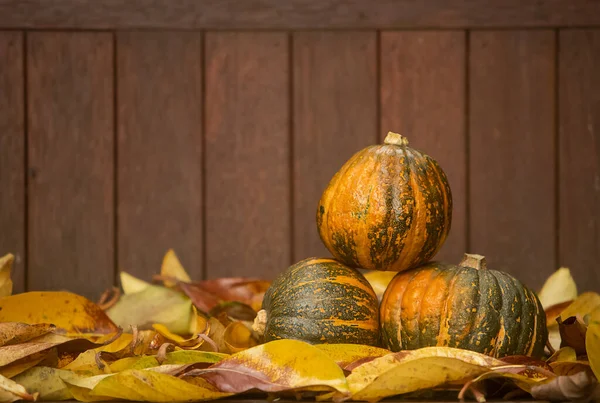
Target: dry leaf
[154, 304]
[583, 305]
[572, 333]
[592, 344]
[413, 370]
[71, 312]
[6, 284]
[172, 269]
[150, 386]
[347, 354]
[208, 294]
[131, 284]
[234, 310]
[379, 280]
[558, 288]
[17, 332]
[276, 366]
[581, 386]
[238, 337]
[11, 391]
[47, 382]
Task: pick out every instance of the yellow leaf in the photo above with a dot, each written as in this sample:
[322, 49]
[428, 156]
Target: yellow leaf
[198, 325]
[584, 305]
[414, 370]
[17, 332]
[47, 382]
[154, 304]
[559, 287]
[238, 337]
[65, 310]
[152, 386]
[379, 280]
[6, 284]
[276, 366]
[15, 368]
[11, 391]
[217, 334]
[592, 345]
[346, 354]
[172, 268]
[86, 361]
[563, 354]
[193, 357]
[131, 284]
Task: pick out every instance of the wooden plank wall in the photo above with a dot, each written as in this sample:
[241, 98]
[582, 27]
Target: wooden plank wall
[117, 144]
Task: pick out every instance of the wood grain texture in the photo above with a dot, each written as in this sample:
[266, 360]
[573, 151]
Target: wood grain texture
[12, 159]
[159, 150]
[423, 98]
[296, 14]
[512, 150]
[70, 122]
[247, 154]
[335, 115]
[579, 147]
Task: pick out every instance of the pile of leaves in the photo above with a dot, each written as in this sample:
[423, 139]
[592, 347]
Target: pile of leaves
[173, 339]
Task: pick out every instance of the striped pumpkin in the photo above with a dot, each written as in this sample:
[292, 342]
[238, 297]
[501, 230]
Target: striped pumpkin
[388, 208]
[465, 306]
[320, 301]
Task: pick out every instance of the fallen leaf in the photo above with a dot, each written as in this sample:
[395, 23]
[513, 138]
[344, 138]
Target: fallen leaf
[558, 288]
[150, 386]
[47, 382]
[347, 354]
[276, 366]
[67, 311]
[592, 344]
[563, 354]
[131, 284]
[199, 325]
[238, 337]
[17, 367]
[409, 371]
[379, 280]
[234, 310]
[172, 269]
[217, 335]
[17, 332]
[209, 293]
[572, 333]
[11, 391]
[6, 284]
[583, 305]
[554, 311]
[152, 305]
[581, 386]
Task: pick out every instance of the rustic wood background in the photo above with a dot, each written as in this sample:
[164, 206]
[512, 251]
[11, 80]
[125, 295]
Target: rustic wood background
[213, 126]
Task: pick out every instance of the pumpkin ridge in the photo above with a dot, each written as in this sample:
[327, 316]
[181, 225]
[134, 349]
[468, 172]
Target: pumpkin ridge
[447, 195]
[474, 315]
[436, 192]
[432, 277]
[411, 242]
[444, 336]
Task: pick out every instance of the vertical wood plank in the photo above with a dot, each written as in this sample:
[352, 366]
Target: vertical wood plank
[512, 151]
[70, 122]
[423, 98]
[247, 154]
[159, 150]
[335, 115]
[12, 158]
[579, 112]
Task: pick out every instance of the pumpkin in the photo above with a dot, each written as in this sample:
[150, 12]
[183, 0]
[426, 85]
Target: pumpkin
[320, 301]
[467, 306]
[389, 207]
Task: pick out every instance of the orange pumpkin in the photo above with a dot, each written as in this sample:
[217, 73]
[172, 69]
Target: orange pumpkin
[388, 208]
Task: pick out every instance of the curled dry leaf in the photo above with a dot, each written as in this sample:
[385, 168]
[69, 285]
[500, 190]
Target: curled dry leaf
[234, 310]
[154, 304]
[572, 333]
[280, 365]
[580, 386]
[208, 294]
[558, 288]
[238, 337]
[69, 312]
[414, 370]
[6, 284]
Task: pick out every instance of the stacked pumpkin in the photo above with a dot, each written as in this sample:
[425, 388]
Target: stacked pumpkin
[389, 209]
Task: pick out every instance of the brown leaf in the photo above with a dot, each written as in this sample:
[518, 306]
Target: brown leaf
[234, 310]
[67, 311]
[209, 293]
[581, 386]
[17, 332]
[572, 332]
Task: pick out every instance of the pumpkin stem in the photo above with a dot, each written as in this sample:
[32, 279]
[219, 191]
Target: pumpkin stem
[475, 261]
[260, 322]
[395, 139]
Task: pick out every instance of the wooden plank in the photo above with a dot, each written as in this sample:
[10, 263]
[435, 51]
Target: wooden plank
[423, 97]
[579, 175]
[70, 122]
[247, 154]
[12, 161]
[296, 14]
[335, 115]
[512, 150]
[159, 150]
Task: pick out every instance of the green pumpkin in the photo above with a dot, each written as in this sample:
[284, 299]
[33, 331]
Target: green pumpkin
[320, 300]
[466, 306]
